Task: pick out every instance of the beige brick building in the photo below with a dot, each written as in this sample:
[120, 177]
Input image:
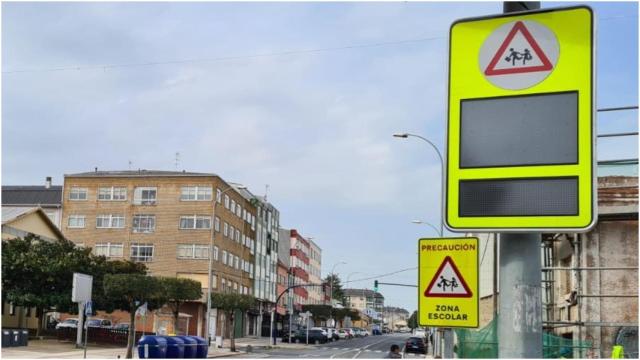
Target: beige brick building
[165, 219]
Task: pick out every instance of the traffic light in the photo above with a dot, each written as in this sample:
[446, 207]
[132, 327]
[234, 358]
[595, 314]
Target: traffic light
[375, 285]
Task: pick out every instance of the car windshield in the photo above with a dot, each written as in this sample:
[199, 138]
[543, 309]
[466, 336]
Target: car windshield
[70, 321]
[93, 322]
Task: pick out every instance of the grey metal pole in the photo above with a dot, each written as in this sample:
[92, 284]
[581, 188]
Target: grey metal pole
[520, 320]
[520, 305]
[81, 320]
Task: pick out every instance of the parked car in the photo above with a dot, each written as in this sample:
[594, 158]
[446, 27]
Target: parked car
[344, 334]
[325, 331]
[121, 326]
[420, 332]
[364, 332]
[285, 336]
[415, 344]
[98, 323]
[332, 334]
[68, 323]
[351, 332]
[315, 336]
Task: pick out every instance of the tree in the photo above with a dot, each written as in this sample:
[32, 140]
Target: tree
[320, 312]
[179, 291]
[412, 323]
[341, 314]
[333, 282]
[229, 303]
[128, 292]
[49, 266]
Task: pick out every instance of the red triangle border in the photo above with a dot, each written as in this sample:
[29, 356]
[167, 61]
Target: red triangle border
[448, 259]
[519, 26]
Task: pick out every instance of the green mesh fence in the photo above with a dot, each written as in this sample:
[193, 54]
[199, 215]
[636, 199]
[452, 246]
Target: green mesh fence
[483, 344]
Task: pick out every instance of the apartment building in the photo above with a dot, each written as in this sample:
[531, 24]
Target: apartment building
[285, 279]
[316, 293]
[363, 299]
[166, 220]
[267, 238]
[298, 265]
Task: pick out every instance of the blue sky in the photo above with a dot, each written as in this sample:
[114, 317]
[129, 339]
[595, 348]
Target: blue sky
[316, 126]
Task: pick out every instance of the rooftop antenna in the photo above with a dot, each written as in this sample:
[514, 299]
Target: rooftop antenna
[266, 191]
[177, 159]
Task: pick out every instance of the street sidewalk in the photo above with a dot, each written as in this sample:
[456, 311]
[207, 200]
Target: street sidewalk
[261, 343]
[54, 349]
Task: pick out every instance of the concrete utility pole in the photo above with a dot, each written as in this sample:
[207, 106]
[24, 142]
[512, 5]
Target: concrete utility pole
[520, 306]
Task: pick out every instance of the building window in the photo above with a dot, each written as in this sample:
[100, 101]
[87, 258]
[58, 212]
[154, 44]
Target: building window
[218, 195]
[215, 253]
[231, 232]
[109, 249]
[113, 193]
[237, 263]
[230, 260]
[233, 206]
[196, 193]
[237, 236]
[142, 253]
[226, 201]
[144, 223]
[195, 222]
[214, 281]
[225, 229]
[145, 195]
[110, 221]
[193, 251]
[78, 193]
[76, 221]
[239, 211]
[224, 257]
[12, 309]
[217, 224]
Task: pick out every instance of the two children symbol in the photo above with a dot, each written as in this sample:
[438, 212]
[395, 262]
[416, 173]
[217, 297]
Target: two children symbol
[516, 55]
[444, 283]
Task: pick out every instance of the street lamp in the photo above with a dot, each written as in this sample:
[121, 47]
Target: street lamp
[442, 170]
[210, 272]
[406, 135]
[420, 222]
[332, 279]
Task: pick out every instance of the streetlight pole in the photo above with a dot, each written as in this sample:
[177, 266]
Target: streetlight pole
[448, 333]
[210, 272]
[420, 222]
[406, 135]
[331, 291]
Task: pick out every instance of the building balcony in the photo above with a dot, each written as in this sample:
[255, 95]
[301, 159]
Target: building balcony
[302, 292]
[300, 273]
[300, 255]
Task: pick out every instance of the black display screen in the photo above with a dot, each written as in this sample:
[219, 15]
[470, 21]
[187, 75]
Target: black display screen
[519, 130]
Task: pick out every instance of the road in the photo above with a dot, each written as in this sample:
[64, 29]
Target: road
[370, 347]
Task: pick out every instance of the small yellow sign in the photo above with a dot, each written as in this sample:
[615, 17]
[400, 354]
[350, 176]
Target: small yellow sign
[448, 282]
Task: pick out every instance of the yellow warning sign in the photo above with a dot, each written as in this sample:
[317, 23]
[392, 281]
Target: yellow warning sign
[448, 282]
[521, 116]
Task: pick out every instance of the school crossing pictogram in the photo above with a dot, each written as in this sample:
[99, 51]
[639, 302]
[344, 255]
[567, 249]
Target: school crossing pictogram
[519, 53]
[448, 282]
